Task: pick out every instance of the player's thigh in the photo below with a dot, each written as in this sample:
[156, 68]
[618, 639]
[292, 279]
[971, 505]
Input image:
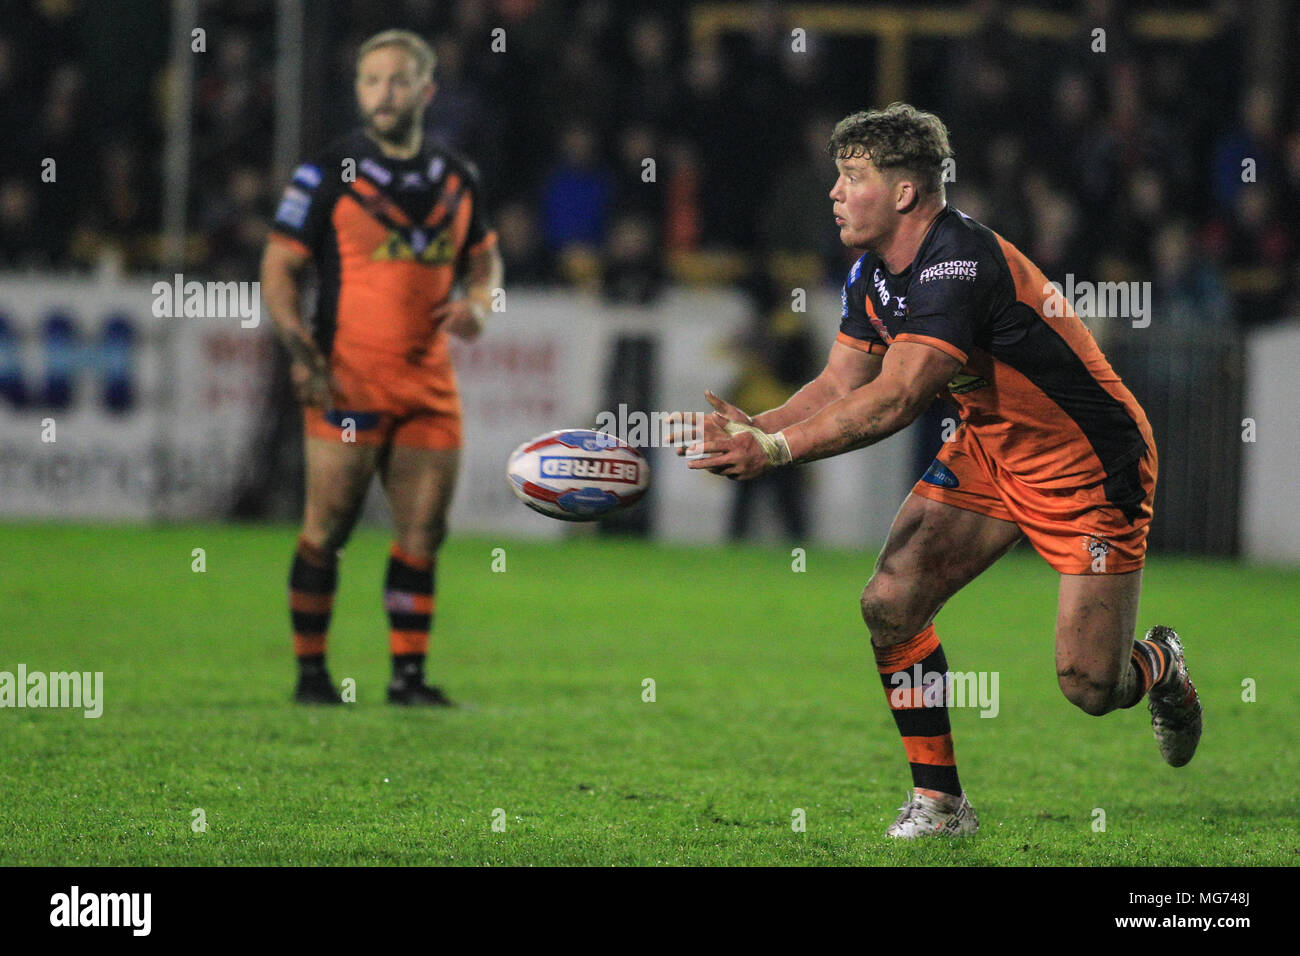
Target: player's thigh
[420, 483]
[933, 551]
[1095, 621]
[338, 474]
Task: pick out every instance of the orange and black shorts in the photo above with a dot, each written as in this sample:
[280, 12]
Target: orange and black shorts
[415, 429]
[389, 403]
[1077, 531]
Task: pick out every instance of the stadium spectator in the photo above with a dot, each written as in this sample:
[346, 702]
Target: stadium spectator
[1254, 140]
[577, 193]
[1108, 130]
[632, 272]
[527, 260]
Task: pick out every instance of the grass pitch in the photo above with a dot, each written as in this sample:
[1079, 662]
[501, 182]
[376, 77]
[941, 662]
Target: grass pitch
[766, 703]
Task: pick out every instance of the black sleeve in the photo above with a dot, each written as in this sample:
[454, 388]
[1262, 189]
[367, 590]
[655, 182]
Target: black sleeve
[480, 229]
[304, 210]
[853, 316]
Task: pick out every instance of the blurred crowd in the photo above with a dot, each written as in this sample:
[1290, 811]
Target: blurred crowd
[619, 151]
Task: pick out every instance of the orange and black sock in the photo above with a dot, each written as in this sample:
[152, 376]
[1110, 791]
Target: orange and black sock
[920, 708]
[313, 580]
[408, 598]
[1148, 665]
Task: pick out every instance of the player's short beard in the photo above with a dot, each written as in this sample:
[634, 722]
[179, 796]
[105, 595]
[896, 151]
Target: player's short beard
[400, 132]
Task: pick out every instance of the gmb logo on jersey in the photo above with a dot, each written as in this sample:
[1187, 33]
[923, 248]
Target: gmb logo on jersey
[882, 290]
[416, 245]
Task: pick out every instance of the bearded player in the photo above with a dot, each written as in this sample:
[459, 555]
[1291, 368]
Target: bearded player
[392, 223]
[1051, 446]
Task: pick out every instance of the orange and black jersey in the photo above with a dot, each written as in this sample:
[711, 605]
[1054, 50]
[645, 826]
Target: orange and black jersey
[1034, 387]
[389, 238]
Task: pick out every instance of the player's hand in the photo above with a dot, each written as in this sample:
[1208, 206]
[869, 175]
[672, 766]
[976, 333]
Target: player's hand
[685, 428]
[738, 455]
[312, 383]
[725, 409]
[462, 318]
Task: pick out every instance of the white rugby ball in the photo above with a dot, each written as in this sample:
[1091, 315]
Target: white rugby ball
[577, 474]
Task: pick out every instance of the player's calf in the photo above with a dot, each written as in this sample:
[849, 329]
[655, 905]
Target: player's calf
[313, 580]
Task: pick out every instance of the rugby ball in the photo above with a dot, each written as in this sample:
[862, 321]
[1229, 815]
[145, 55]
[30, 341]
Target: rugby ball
[577, 474]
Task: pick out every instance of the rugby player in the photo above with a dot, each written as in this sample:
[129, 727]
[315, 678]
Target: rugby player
[392, 222]
[1051, 446]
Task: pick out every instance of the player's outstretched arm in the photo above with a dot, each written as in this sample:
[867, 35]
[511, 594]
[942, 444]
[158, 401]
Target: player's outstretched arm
[910, 376]
[846, 369]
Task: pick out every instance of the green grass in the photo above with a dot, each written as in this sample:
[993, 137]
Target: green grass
[767, 701]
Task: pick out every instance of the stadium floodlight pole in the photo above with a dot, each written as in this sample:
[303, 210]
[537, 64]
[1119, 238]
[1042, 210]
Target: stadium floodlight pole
[290, 42]
[185, 14]
[176, 190]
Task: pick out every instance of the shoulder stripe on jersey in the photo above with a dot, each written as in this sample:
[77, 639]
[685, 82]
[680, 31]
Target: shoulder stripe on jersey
[379, 205]
[945, 347]
[449, 200]
[872, 348]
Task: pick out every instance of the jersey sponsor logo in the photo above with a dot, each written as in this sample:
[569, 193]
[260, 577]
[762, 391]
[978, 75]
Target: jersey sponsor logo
[416, 245]
[293, 207]
[592, 469]
[307, 175]
[411, 180]
[964, 382]
[950, 269]
[376, 172]
[853, 277]
[939, 474]
[882, 291]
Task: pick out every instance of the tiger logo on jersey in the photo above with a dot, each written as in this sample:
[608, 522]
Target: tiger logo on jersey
[416, 245]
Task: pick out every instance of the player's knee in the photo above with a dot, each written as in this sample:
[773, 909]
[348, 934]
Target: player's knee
[1090, 693]
[336, 527]
[422, 542]
[328, 525]
[882, 611]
